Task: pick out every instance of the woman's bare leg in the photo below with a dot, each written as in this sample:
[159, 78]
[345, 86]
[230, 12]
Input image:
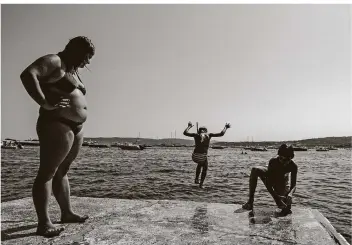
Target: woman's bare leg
[198, 169]
[55, 143]
[204, 174]
[61, 185]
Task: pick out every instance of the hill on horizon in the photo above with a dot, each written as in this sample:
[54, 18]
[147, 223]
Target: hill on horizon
[344, 141]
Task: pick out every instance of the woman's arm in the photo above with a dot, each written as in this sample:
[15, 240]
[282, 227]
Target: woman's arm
[222, 133]
[46, 69]
[186, 133]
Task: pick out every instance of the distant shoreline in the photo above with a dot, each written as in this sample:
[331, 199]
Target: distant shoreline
[339, 142]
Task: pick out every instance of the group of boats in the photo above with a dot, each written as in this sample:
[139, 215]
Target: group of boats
[295, 148]
[15, 144]
[123, 146]
[11, 144]
[330, 148]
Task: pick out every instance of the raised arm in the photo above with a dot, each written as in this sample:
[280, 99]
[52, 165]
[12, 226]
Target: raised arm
[46, 69]
[222, 133]
[186, 133]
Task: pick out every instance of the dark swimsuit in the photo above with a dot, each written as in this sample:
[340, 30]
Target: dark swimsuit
[66, 84]
[200, 155]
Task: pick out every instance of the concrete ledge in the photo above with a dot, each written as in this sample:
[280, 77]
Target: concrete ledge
[120, 221]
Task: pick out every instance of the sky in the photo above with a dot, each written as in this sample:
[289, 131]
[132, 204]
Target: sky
[275, 72]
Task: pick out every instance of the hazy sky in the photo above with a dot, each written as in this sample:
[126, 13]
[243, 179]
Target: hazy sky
[276, 72]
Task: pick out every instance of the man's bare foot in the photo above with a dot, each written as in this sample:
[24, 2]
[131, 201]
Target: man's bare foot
[201, 185]
[280, 204]
[196, 181]
[248, 206]
[49, 230]
[73, 218]
[284, 212]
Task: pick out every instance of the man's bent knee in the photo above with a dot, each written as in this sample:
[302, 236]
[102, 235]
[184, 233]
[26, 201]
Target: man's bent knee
[254, 171]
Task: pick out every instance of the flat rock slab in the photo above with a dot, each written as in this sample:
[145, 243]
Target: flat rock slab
[121, 221]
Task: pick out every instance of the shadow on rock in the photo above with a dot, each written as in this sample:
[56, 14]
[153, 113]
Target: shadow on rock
[8, 233]
[200, 219]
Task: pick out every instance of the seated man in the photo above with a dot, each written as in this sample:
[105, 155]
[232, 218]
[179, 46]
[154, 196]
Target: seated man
[275, 178]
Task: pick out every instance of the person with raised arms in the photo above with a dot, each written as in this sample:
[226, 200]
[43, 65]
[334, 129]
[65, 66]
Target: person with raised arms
[200, 153]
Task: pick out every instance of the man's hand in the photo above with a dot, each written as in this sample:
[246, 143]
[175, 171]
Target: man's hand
[227, 125]
[190, 125]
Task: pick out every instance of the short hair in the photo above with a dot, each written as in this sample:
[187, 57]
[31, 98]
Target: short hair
[286, 151]
[203, 128]
[80, 44]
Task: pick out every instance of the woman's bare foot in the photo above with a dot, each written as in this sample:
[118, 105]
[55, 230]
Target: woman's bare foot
[49, 230]
[73, 218]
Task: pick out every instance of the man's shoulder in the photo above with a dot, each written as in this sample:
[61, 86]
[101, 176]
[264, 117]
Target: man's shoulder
[293, 165]
[273, 160]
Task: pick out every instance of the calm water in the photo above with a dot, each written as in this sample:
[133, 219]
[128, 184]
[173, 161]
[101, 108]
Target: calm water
[324, 178]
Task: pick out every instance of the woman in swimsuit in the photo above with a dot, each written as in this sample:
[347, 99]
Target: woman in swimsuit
[52, 82]
[200, 153]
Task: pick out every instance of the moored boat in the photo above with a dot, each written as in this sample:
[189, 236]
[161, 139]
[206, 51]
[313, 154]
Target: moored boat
[322, 149]
[128, 146]
[218, 147]
[9, 144]
[300, 148]
[258, 149]
[96, 145]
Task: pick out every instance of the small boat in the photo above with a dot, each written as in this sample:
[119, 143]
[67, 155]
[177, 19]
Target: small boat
[29, 142]
[218, 147]
[300, 148]
[330, 148]
[258, 149]
[128, 146]
[9, 144]
[89, 142]
[99, 145]
[271, 147]
[322, 149]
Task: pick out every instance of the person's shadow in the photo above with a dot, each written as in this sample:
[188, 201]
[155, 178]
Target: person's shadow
[200, 219]
[259, 217]
[17, 232]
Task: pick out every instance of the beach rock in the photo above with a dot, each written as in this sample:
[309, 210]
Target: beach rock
[120, 221]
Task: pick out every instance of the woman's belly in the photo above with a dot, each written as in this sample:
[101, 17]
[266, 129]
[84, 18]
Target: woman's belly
[78, 107]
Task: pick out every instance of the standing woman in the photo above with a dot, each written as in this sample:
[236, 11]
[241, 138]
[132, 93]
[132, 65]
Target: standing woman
[200, 153]
[52, 82]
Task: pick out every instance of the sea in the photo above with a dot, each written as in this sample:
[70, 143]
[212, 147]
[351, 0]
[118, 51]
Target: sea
[324, 179]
